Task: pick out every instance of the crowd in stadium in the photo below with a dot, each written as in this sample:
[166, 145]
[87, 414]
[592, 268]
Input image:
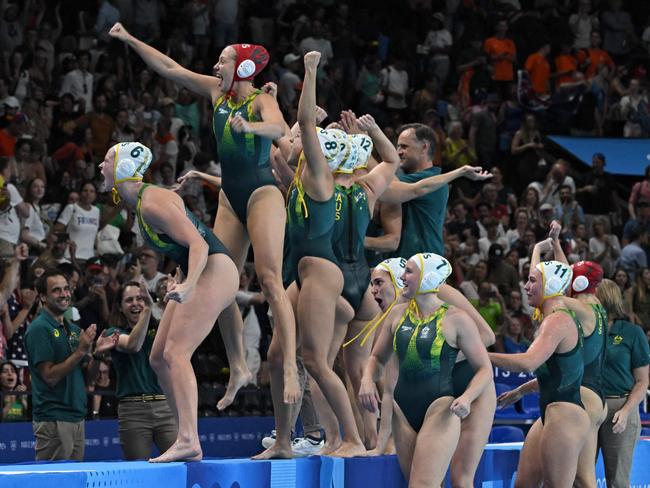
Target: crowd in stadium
[489, 78]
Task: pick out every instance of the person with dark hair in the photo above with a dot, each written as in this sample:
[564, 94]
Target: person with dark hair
[633, 257]
[79, 82]
[143, 412]
[539, 69]
[57, 351]
[13, 400]
[82, 220]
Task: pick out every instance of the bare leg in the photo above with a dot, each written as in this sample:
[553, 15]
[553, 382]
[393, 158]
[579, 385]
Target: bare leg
[266, 222]
[283, 412]
[435, 444]
[185, 333]
[156, 355]
[232, 234]
[405, 438]
[322, 283]
[529, 471]
[474, 434]
[586, 474]
[566, 428]
[356, 357]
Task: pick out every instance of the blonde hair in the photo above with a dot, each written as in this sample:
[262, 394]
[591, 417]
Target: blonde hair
[610, 296]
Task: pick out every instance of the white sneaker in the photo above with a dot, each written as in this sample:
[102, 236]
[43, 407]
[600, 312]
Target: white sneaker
[306, 446]
[269, 440]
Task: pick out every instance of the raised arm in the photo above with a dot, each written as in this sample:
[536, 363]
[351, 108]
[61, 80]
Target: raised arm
[400, 192]
[383, 174]
[206, 86]
[316, 164]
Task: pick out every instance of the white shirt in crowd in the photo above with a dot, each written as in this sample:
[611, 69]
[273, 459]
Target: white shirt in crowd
[82, 225]
[34, 224]
[9, 221]
[80, 85]
[396, 81]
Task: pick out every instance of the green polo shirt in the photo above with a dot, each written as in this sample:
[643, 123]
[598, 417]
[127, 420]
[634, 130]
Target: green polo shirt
[627, 349]
[46, 340]
[491, 312]
[134, 373]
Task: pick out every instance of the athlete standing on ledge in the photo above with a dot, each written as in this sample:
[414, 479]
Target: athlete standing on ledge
[210, 283]
[251, 206]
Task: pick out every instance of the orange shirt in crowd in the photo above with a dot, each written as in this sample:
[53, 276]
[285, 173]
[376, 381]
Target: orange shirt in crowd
[597, 57]
[503, 68]
[540, 73]
[7, 143]
[568, 64]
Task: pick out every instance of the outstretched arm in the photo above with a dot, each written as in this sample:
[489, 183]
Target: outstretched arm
[400, 192]
[452, 296]
[206, 86]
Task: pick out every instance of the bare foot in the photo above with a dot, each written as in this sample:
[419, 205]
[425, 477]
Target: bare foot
[374, 452]
[348, 449]
[292, 388]
[275, 452]
[237, 380]
[330, 446]
[180, 452]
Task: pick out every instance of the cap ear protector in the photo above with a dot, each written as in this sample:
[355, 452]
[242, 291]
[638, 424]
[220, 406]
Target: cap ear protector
[335, 146]
[434, 271]
[580, 284]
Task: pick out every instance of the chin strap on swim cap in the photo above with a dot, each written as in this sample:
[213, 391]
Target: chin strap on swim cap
[395, 268]
[131, 162]
[556, 277]
[434, 271]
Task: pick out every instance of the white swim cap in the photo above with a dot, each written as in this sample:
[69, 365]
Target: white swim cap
[132, 160]
[364, 144]
[335, 146]
[434, 271]
[556, 277]
[395, 268]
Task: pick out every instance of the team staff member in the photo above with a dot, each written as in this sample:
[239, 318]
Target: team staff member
[57, 349]
[625, 381]
[143, 413]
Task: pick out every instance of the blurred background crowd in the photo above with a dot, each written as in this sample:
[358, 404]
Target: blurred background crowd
[491, 77]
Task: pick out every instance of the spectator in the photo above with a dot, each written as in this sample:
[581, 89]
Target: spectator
[317, 42]
[81, 222]
[622, 279]
[500, 271]
[503, 56]
[598, 193]
[439, 43]
[604, 248]
[526, 150]
[489, 304]
[102, 401]
[583, 23]
[567, 210]
[462, 224]
[149, 261]
[539, 70]
[394, 81]
[593, 57]
[426, 99]
[79, 82]
[289, 84]
[12, 208]
[457, 150]
[492, 237]
[225, 28]
[566, 66]
[618, 31]
[145, 417]
[33, 230]
[521, 224]
[106, 17]
[633, 257]
[160, 300]
[511, 339]
[371, 96]
[635, 110]
[640, 192]
[478, 275]
[247, 300]
[9, 135]
[483, 130]
[638, 298]
[14, 402]
[56, 350]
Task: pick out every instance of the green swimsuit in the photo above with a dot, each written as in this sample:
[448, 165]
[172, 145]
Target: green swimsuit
[426, 362]
[244, 158]
[164, 244]
[594, 352]
[350, 224]
[560, 377]
[310, 225]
